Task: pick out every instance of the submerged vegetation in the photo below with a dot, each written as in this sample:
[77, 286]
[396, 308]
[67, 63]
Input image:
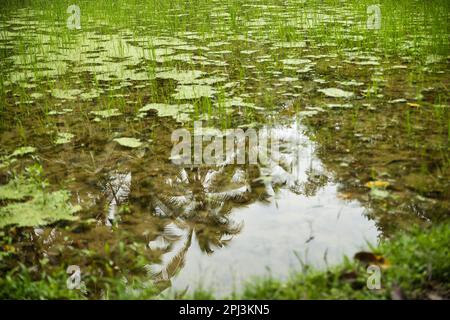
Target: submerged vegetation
[360, 107]
[27, 202]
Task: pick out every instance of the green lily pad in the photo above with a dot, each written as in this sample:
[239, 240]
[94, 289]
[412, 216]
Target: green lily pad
[290, 45]
[64, 137]
[336, 93]
[22, 151]
[339, 106]
[36, 95]
[69, 94]
[59, 113]
[295, 62]
[129, 142]
[185, 77]
[236, 102]
[92, 94]
[351, 83]
[179, 112]
[211, 80]
[107, 113]
[193, 92]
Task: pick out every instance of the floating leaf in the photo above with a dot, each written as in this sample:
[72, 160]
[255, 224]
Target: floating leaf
[211, 80]
[300, 44]
[36, 95]
[345, 195]
[236, 102]
[336, 93]
[339, 106]
[59, 113]
[92, 94]
[308, 113]
[295, 62]
[22, 151]
[401, 100]
[351, 83]
[129, 142]
[193, 92]
[64, 137]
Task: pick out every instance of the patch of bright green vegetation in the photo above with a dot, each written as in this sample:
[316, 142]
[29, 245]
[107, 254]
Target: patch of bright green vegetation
[20, 283]
[184, 77]
[129, 142]
[178, 112]
[336, 93]
[193, 92]
[5, 161]
[64, 137]
[26, 202]
[107, 113]
[65, 94]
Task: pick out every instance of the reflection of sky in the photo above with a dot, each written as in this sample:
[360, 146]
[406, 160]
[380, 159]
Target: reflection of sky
[273, 232]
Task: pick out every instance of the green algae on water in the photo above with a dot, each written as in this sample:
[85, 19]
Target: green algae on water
[26, 203]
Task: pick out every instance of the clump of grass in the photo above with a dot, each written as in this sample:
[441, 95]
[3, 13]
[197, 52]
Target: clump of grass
[21, 283]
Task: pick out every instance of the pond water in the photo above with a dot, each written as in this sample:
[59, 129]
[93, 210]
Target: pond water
[96, 107]
[277, 238]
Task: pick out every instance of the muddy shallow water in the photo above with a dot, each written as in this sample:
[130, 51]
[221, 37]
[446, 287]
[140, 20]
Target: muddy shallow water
[364, 133]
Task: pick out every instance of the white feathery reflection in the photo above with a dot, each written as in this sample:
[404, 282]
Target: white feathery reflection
[178, 241]
[117, 190]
